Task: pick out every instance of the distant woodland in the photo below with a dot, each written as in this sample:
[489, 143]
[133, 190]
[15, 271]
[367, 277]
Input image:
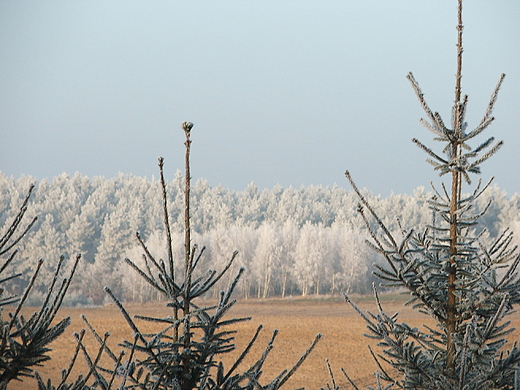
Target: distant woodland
[292, 241]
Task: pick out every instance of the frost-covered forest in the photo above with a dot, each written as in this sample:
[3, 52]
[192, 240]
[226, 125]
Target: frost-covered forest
[292, 241]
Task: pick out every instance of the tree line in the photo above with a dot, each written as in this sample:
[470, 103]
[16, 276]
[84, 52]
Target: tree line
[291, 241]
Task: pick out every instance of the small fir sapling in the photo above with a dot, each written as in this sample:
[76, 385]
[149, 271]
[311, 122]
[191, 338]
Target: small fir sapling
[185, 353]
[24, 342]
[466, 286]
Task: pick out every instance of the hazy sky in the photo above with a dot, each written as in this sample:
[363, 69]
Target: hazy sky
[280, 92]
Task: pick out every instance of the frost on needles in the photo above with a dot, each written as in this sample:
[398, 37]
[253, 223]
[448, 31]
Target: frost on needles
[466, 286]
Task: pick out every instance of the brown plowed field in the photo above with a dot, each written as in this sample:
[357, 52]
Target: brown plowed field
[298, 321]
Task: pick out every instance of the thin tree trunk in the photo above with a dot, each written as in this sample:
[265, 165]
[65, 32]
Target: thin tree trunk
[455, 196]
[188, 259]
[304, 287]
[267, 281]
[284, 282]
[452, 276]
[317, 288]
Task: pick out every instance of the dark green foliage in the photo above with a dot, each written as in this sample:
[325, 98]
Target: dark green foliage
[184, 354]
[7, 242]
[467, 285]
[24, 342]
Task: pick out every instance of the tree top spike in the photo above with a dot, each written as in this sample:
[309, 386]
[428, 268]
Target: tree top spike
[187, 126]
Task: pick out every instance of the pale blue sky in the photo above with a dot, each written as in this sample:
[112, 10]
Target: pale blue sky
[281, 92]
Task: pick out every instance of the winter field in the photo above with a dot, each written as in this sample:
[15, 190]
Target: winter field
[298, 320]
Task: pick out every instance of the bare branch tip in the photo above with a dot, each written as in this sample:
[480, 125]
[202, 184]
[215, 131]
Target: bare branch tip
[187, 126]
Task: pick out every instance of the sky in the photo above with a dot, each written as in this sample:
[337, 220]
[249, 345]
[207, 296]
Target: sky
[280, 92]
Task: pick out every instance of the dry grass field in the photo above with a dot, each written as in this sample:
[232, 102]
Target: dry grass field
[298, 321]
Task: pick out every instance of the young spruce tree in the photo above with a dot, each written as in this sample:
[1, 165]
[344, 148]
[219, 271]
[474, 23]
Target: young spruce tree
[185, 353]
[24, 342]
[466, 286]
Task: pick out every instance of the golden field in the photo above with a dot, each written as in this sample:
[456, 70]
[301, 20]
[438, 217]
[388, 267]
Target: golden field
[298, 321]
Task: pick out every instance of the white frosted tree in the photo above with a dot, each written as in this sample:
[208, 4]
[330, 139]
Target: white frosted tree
[266, 256]
[354, 259]
[116, 238]
[49, 242]
[249, 211]
[244, 239]
[81, 235]
[134, 287]
[212, 206]
[310, 255]
[290, 233]
[7, 191]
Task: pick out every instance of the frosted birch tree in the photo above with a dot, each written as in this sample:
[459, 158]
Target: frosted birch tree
[267, 255]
